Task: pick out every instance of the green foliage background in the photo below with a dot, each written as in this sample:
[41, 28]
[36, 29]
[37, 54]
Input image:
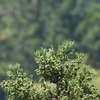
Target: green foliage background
[27, 25]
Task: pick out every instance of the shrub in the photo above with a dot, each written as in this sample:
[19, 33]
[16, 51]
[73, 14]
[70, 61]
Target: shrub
[62, 68]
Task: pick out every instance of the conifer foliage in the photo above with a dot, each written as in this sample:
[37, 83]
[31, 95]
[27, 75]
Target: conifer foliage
[62, 77]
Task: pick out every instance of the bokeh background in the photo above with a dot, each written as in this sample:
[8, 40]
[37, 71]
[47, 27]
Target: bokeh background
[27, 25]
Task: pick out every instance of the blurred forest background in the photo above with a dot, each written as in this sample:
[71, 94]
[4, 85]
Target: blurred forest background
[27, 25]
